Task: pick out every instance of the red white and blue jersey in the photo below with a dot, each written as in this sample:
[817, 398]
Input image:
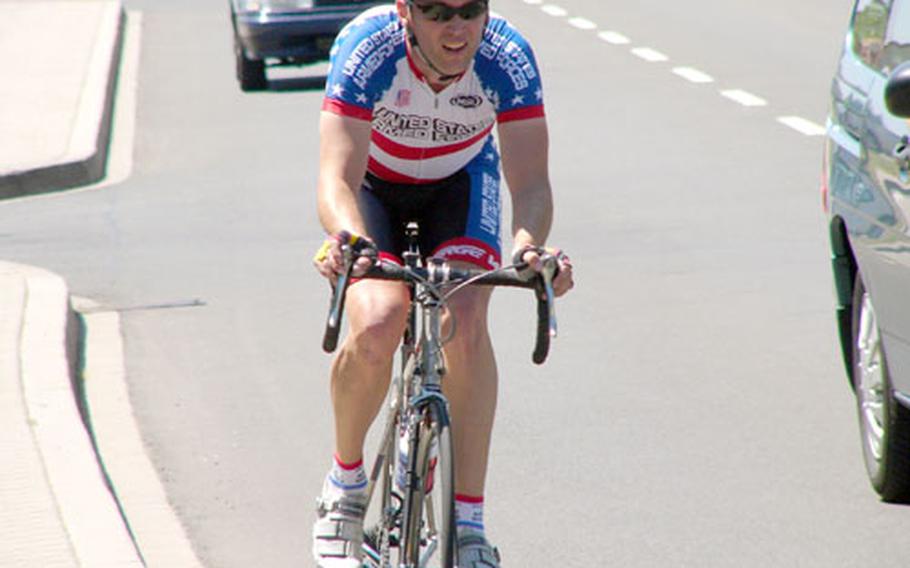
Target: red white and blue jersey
[418, 135]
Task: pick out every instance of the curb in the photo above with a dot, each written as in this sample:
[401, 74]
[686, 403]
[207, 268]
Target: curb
[74, 517]
[85, 159]
[155, 528]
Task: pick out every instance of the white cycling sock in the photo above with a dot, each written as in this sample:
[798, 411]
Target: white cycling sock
[468, 513]
[347, 478]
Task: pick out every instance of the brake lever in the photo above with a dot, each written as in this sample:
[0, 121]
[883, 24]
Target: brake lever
[548, 272]
[333, 324]
[337, 300]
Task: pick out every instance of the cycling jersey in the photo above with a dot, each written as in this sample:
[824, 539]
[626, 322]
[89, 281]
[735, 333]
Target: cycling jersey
[432, 156]
[419, 135]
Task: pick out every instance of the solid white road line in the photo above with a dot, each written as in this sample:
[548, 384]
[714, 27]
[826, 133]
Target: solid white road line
[744, 98]
[803, 126]
[649, 55]
[693, 75]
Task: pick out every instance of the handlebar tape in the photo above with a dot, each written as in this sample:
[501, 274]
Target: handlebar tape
[542, 344]
[336, 310]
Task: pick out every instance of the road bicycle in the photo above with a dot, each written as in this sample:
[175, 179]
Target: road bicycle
[413, 472]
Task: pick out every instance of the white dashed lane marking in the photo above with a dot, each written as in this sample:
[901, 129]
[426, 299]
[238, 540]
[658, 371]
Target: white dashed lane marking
[553, 10]
[744, 98]
[691, 74]
[614, 38]
[801, 125]
[649, 55]
[582, 23]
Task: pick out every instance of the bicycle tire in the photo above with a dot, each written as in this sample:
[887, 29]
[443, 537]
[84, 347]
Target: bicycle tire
[428, 534]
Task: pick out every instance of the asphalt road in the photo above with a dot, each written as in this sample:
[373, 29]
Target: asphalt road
[694, 411]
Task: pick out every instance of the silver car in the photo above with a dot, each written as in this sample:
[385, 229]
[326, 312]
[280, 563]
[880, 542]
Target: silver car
[286, 32]
[866, 191]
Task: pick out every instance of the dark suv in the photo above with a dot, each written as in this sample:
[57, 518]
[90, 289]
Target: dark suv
[866, 191]
[286, 32]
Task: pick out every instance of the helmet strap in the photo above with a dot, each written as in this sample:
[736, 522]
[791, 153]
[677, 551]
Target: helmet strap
[443, 77]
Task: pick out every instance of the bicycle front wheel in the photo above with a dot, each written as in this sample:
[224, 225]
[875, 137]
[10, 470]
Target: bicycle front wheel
[429, 532]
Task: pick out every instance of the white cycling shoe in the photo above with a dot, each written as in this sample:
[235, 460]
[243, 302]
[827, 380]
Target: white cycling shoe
[338, 531]
[475, 551]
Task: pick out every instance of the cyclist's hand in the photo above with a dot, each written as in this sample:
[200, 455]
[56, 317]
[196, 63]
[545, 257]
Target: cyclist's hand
[534, 258]
[330, 258]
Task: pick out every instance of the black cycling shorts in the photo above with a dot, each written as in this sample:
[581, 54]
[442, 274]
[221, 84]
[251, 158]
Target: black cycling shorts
[458, 216]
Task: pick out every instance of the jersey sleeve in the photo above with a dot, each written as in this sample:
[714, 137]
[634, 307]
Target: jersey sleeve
[357, 63]
[510, 74]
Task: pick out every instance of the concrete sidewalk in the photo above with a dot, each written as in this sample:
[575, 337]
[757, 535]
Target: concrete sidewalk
[55, 505]
[56, 94]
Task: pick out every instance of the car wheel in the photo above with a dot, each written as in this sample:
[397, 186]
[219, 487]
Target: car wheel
[883, 421]
[250, 72]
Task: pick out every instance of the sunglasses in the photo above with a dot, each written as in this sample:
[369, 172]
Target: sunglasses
[439, 12]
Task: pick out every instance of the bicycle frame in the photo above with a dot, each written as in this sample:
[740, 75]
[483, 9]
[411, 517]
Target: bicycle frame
[418, 404]
[418, 386]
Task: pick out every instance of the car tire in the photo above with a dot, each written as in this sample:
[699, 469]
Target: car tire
[884, 422]
[250, 72]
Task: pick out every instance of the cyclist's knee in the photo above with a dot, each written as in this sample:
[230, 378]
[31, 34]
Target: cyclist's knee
[377, 321]
[375, 342]
[470, 314]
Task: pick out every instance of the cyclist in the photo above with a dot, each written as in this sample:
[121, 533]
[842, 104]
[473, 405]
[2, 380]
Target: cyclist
[412, 95]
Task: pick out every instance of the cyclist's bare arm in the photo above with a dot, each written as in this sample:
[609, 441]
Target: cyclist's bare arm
[524, 162]
[343, 155]
[524, 145]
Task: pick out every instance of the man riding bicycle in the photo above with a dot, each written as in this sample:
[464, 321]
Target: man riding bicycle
[413, 93]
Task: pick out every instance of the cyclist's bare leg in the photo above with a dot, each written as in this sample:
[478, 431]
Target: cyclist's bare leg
[377, 313]
[471, 385]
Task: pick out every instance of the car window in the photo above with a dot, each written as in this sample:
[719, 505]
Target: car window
[896, 49]
[870, 22]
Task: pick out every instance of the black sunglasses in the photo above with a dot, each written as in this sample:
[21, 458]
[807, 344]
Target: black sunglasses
[439, 12]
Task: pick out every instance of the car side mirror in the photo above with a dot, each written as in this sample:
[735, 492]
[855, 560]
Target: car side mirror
[897, 91]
